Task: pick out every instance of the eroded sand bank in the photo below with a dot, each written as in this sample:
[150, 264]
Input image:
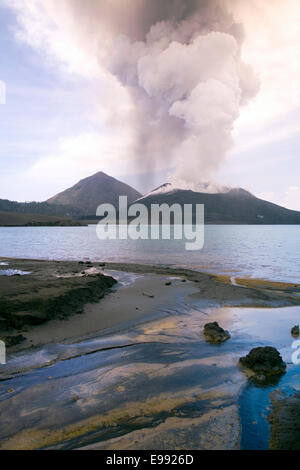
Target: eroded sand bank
[115, 377]
[59, 300]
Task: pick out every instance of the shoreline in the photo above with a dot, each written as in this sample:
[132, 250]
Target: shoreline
[120, 309]
[135, 362]
[100, 311]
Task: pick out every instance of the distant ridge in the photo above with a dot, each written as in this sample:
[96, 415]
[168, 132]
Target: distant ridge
[235, 206]
[79, 203]
[41, 208]
[97, 189]
[17, 219]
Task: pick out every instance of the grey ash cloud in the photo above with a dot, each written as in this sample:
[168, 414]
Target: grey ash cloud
[181, 63]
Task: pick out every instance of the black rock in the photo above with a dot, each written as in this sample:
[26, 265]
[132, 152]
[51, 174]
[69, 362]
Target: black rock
[214, 333]
[265, 361]
[295, 331]
[4, 324]
[13, 340]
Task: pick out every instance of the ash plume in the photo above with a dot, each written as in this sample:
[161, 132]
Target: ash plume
[180, 64]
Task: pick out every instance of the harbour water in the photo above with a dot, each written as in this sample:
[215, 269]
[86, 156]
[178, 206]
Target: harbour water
[268, 251]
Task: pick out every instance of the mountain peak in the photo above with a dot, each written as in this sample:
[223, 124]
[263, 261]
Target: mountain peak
[207, 188]
[235, 206]
[99, 174]
[94, 190]
[240, 192]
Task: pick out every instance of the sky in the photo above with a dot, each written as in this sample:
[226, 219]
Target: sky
[70, 112]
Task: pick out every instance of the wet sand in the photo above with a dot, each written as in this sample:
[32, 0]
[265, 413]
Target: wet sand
[64, 297]
[155, 385]
[115, 377]
[59, 300]
[119, 309]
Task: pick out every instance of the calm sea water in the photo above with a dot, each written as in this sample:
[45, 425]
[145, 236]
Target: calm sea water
[270, 252]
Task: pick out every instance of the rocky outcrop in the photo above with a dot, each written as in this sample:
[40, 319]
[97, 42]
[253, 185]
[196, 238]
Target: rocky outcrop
[54, 290]
[295, 331]
[285, 419]
[13, 340]
[264, 361]
[214, 333]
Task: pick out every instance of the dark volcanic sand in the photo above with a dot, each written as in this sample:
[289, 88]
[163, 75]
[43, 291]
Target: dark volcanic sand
[56, 290]
[155, 385]
[51, 291]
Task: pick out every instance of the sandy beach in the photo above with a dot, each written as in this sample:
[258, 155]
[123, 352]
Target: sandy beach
[124, 306]
[68, 294]
[130, 362]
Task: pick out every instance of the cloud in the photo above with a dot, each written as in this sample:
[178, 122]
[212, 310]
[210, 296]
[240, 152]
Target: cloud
[290, 198]
[80, 154]
[278, 132]
[169, 74]
[2, 92]
[270, 45]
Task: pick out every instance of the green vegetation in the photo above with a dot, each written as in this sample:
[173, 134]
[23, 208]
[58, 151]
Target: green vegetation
[42, 208]
[14, 219]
